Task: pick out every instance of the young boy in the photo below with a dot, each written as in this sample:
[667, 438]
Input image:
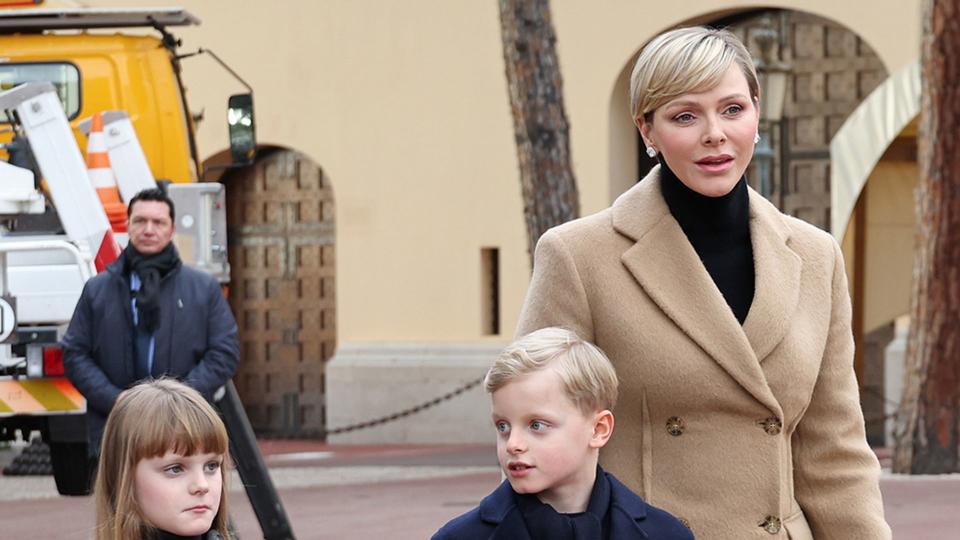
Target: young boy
[552, 395]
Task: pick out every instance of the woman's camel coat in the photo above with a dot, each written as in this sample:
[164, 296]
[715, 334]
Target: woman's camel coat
[750, 431]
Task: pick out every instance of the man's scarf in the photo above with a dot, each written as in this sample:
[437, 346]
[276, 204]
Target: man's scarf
[151, 269]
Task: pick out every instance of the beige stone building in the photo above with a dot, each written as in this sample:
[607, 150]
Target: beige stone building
[389, 179]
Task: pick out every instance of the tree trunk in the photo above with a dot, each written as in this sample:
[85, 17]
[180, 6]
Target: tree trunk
[928, 424]
[540, 124]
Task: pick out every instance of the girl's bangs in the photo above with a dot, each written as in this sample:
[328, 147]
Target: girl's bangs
[184, 430]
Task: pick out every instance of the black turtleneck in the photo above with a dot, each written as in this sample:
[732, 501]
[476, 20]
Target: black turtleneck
[164, 535]
[719, 230]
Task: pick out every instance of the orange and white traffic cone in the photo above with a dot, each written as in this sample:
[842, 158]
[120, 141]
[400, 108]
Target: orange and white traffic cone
[102, 178]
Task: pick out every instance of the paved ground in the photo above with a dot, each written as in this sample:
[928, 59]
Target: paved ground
[404, 492]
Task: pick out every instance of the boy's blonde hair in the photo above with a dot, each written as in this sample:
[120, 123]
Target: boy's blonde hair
[151, 419]
[686, 60]
[587, 376]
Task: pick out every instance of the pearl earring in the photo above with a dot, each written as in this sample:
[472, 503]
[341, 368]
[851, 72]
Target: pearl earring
[651, 151]
[756, 138]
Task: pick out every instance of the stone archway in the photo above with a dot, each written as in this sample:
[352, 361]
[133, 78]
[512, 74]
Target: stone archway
[280, 213]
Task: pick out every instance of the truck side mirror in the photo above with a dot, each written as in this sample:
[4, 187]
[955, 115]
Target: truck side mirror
[243, 135]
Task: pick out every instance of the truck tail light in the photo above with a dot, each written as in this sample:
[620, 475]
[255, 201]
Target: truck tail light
[52, 361]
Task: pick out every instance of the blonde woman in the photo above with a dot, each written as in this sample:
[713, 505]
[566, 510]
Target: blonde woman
[162, 467]
[728, 322]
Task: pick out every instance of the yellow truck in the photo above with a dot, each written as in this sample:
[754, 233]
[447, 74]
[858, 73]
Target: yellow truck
[139, 74]
[91, 72]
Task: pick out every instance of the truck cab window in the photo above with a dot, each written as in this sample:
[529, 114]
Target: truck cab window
[64, 76]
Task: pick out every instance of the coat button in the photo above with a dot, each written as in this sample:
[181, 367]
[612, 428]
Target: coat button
[772, 425]
[771, 524]
[675, 426]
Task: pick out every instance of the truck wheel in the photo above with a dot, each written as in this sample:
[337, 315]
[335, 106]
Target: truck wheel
[72, 468]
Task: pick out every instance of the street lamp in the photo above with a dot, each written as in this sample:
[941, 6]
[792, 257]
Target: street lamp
[772, 75]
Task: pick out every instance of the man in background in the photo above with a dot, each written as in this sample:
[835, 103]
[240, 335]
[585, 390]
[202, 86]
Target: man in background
[146, 316]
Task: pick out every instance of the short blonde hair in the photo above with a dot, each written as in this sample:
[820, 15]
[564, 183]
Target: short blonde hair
[586, 374]
[151, 419]
[686, 60]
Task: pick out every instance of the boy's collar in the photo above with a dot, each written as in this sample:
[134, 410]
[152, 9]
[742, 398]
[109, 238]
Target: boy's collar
[500, 510]
[598, 502]
[600, 495]
[495, 507]
[627, 501]
[543, 521]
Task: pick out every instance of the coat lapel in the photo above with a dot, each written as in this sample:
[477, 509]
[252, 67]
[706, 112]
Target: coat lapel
[511, 528]
[665, 264]
[777, 269]
[627, 512]
[499, 509]
[123, 291]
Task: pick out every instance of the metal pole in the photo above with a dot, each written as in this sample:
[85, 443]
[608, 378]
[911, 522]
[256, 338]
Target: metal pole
[253, 472]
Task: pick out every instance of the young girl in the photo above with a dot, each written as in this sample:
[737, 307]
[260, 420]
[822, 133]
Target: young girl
[162, 470]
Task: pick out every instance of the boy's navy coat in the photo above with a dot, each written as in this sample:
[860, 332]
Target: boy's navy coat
[498, 518]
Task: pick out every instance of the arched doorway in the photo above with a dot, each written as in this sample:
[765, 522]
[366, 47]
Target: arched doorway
[280, 213]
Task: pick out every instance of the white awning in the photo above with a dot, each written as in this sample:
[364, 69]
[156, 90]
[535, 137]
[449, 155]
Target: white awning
[865, 136]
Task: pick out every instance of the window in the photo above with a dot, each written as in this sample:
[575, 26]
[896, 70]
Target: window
[490, 290]
[65, 78]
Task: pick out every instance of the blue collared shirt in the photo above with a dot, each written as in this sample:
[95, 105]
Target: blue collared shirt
[135, 286]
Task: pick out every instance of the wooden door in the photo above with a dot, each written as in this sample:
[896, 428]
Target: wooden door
[281, 237]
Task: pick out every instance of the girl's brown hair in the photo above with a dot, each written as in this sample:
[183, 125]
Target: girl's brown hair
[149, 420]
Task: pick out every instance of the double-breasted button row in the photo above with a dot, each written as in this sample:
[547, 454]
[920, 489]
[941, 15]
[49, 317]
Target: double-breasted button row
[772, 425]
[771, 524]
[675, 426]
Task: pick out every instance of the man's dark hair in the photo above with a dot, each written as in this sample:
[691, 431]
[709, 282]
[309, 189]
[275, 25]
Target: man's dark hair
[151, 194]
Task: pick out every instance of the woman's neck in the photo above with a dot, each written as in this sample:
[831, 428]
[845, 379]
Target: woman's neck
[718, 228]
[700, 215]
